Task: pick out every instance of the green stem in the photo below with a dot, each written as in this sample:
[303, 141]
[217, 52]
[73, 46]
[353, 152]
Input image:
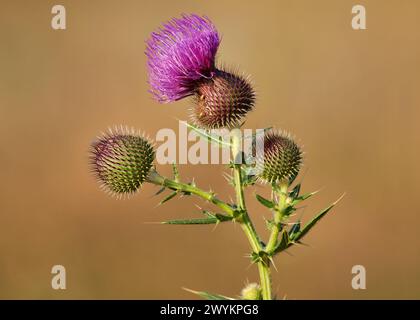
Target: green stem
[246, 223]
[272, 241]
[278, 216]
[265, 279]
[155, 178]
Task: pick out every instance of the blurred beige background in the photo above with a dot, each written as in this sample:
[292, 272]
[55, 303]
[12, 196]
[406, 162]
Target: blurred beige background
[350, 97]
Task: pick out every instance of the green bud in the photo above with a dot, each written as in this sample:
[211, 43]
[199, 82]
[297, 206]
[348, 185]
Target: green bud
[252, 291]
[282, 158]
[122, 160]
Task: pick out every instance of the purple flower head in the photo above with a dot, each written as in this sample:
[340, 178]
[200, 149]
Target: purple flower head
[179, 54]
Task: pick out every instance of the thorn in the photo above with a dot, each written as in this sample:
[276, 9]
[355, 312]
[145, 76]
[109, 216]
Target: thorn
[189, 290]
[289, 223]
[339, 199]
[274, 265]
[298, 243]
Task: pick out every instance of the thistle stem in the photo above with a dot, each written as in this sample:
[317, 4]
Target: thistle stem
[246, 223]
[157, 179]
[278, 216]
[272, 241]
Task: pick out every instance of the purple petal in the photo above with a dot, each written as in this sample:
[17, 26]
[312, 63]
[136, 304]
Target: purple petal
[179, 54]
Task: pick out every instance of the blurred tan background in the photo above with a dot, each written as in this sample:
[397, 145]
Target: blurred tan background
[350, 97]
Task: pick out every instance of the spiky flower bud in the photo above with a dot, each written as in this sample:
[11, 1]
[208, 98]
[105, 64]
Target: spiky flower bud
[222, 100]
[121, 160]
[282, 158]
[252, 291]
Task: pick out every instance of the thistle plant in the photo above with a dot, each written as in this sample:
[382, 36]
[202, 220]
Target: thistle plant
[182, 63]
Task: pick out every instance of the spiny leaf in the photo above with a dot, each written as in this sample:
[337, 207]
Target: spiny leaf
[208, 214]
[288, 211]
[295, 192]
[292, 179]
[208, 296]
[222, 217]
[299, 235]
[248, 176]
[260, 256]
[218, 216]
[169, 197]
[294, 229]
[212, 138]
[212, 218]
[160, 191]
[265, 202]
[284, 242]
[303, 197]
[193, 221]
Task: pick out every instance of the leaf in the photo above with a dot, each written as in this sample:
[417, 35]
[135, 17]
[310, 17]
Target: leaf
[260, 256]
[294, 229]
[218, 216]
[160, 191]
[248, 175]
[211, 219]
[193, 221]
[303, 197]
[299, 235]
[169, 197]
[208, 214]
[222, 217]
[292, 179]
[295, 192]
[283, 243]
[212, 138]
[208, 296]
[288, 211]
[265, 202]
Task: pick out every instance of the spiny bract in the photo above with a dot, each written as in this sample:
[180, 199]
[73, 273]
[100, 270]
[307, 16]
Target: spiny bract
[222, 101]
[121, 160]
[282, 158]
